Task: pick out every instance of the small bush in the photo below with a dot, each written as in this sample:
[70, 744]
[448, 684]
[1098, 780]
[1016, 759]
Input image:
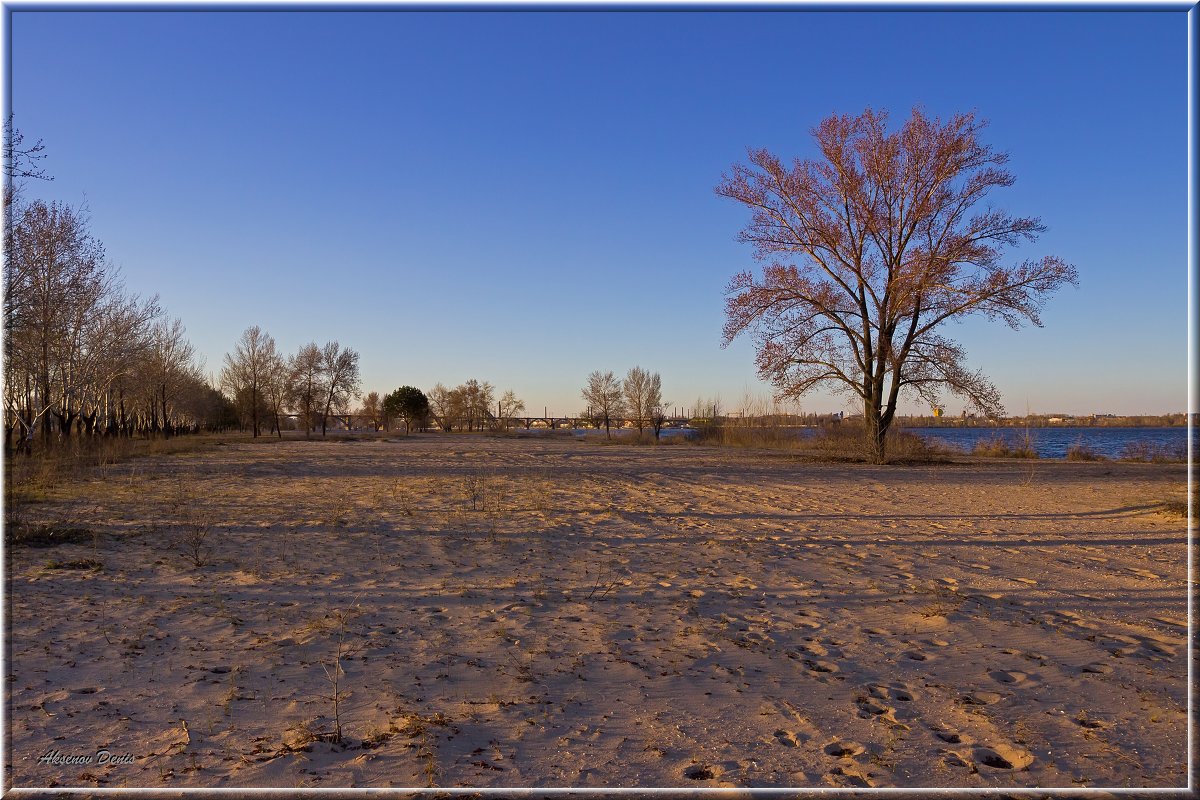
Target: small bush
[1082, 452]
[81, 563]
[45, 535]
[1178, 508]
[999, 447]
[1154, 452]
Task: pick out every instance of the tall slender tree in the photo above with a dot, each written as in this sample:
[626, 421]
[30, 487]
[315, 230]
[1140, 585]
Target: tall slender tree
[248, 370]
[643, 394]
[339, 366]
[605, 398]
[307, 385]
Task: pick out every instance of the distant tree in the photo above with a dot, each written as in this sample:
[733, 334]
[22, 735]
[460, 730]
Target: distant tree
[658, 418]
[371, 409]
[277, 388]
[307, 385]
[605, 398]
[643, 394]
[477, 402]
[891, 243]
[339, 367]
[247, 372]
[409, 404]
[441, 405]
[170, 372]
[509, 405]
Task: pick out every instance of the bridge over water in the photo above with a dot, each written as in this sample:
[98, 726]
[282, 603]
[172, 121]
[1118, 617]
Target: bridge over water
[492, 422]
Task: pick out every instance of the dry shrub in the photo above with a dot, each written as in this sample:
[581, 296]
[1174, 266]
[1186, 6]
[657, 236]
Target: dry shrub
[849, 443]
[1154, 452]
[1177, 508]
[194, 521]
[1082, 452]
[844, 442]
[772, 437]
[485, 492]
[675, 440]
[999, 447]
[903, 446]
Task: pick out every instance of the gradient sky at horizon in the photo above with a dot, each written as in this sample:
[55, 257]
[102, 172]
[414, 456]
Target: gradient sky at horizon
[524, 197]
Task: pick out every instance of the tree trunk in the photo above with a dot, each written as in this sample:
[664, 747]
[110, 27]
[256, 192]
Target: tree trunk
[876, 430]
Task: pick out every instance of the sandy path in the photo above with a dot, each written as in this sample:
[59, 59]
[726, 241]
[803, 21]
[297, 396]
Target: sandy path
[607, 616]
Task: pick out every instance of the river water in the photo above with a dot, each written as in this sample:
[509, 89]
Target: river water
[1053, 442]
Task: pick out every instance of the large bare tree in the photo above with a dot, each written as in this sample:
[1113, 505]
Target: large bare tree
[888, 237]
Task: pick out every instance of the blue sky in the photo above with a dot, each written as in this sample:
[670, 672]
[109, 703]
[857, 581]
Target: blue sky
[526, 197]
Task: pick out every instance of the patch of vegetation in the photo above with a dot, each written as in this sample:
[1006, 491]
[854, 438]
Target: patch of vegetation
[81, 563]
[45, 535]
[1154, 452]
[1082, 452]
[1176, 508]
[845, 442]
[999, 447]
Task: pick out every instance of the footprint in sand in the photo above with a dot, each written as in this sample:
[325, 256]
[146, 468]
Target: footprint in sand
[844, 749]
[952, 736]
[787, 738]
[820, 665]
[1096, 668]
[898, 692]
[1011, 677]
[1160, 648]
[702, 772]
[982, 698]
[814, 649]
[1003, 756]
[1091, 723]
[854, 775]
[869, 708]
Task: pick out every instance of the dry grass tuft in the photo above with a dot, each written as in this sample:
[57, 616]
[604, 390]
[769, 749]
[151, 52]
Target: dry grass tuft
[1000, 447]
[1176, 508]
[1082, 452]
[1154, 452]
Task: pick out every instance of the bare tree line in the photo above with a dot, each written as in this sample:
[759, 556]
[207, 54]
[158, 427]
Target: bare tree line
[82, 356]
[637, 398]
[472, 405]
[313, 384]
[85, 358]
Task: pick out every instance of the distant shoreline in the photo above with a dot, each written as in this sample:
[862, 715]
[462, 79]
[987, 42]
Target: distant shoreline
[1049, 421]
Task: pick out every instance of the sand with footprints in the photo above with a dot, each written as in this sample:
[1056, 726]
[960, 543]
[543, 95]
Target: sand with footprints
[552, 612]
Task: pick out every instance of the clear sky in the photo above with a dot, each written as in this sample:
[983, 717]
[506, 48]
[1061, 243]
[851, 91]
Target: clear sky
[525, 197]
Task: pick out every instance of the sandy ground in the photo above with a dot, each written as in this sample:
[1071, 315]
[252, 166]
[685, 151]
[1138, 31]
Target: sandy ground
[604, 616]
